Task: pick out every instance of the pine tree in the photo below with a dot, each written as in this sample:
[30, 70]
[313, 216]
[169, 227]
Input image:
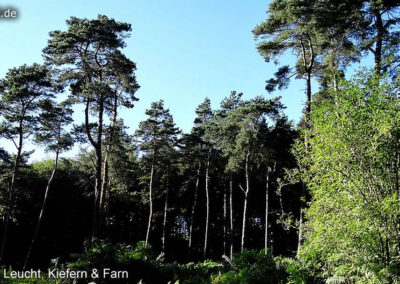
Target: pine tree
[53, 135]
[242, 124]
[202, 124]
[21, 90]
[155, 137]
[89, 59]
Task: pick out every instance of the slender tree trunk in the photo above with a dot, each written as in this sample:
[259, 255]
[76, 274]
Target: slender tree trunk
[104, 183]
[97, 145]
[224, 220]
[266, 211]
[231, 215]
[105, 180]
[379, 42]
[98, 169]
[107, 208]
[9, 209]
[193, 211]
[308, 107]
[164, 221]
[335, 87]
[207, 206]
[98, 183]
[244, 222]
[39, 223]
[150, 204]
[301, 221]
[165, 214]
[308, 113]
[246, 193]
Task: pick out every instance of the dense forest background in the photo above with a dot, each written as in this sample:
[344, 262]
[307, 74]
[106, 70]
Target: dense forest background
[246, 196]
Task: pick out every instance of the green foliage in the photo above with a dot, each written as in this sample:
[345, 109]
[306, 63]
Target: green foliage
[253, 267]
[22, 91]
[192, 273]
[351, 166]
[297, 271]
[143, 264]
[52, 122]
[43, 168]
[238, 128]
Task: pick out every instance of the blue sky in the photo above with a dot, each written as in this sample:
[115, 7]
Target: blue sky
[184, 50]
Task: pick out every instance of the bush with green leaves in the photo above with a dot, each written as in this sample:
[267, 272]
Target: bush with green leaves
[351, 165]
[253, 267]
[143, 264]
[139, 261]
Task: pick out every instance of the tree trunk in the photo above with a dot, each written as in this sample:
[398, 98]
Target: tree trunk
[246, 193]
[8, 211]
[379, 42]
[97, 193]
[97, 145]
[300, 239]
[224, 221]
[39, 223]
[105, 180]
[193, 211]
[308, 113]
[165, 214]
[207, 206]
[308, 107]
[104, 183]
[266, 211]
[231, 215]
[150, 204]
[164, 222]
[243, 222]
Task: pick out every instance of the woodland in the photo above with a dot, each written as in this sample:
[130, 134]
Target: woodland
[246, 196]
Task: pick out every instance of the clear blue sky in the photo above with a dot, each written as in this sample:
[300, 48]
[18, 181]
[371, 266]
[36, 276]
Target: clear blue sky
[185, 50]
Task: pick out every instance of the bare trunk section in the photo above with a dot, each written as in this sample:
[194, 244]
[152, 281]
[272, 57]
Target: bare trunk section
[266, 211]
[8, 211]
[246, 193]
[207, 206]
[231, 215]
[105, 180]
[96, 211]
[104, 183]
[97, 145]
[196, 190]
[308, 64]
[379, 42]
[301, 220]
[308, 67]
[165, 214]
[164, 222]
[39, 223]
[224, 220]
[150, 204]
[335, 88]
[308, 107]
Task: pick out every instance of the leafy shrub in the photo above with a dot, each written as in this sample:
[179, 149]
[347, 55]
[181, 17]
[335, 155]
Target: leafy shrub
[297, 272]
[143, 265]
[192, 273]
[139, 261]
[253, 267]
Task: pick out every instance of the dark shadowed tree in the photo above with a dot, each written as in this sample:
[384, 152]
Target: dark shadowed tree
[88, 58]
[243, 123]
[52, 134]
[21, 90]
[202, 124]
[156, 137]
